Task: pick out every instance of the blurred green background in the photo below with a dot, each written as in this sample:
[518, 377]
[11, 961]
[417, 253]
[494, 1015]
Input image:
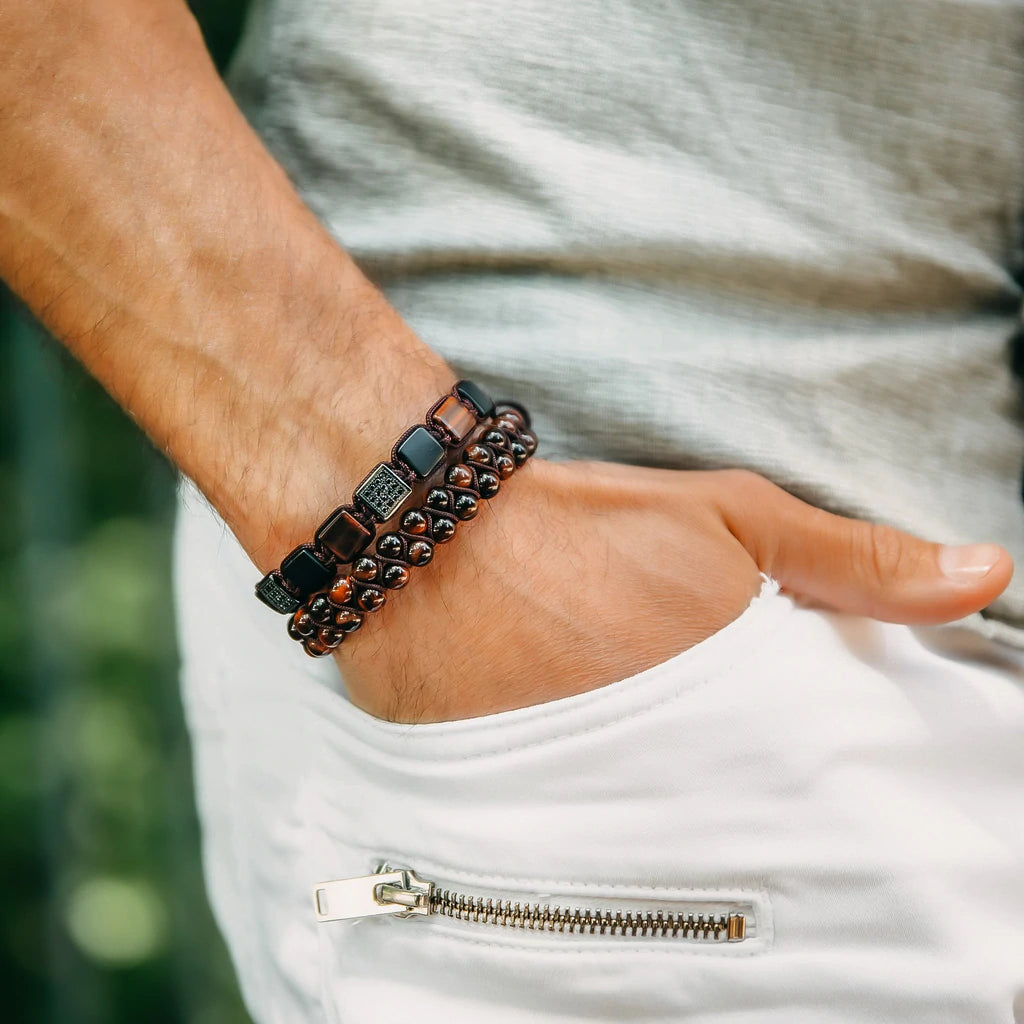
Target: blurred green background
[103, 916]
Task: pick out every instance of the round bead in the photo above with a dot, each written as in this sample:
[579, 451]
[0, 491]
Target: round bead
[438, 498]
[466, 506]
[320, 609]
[460, 476]
[420, 552]
[479, 454]
[364, 569]
[507, 423]
[495, 437]
[505, 465]
[488, 484]
[444, 529]
[390, 545]
[515, 416]
[519, 453]
[371, 599]
[301, 623]
[414, 521]
[395, 577]
[329, 636]
[314, 648]
[529, 441]
[342, 590]
[348, 620]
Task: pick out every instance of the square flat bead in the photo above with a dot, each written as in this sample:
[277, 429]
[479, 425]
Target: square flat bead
[476, 396]
[383, 491]
[273, 595]
[304, 572]
[454, 417]
[344, 535]
[421, 452]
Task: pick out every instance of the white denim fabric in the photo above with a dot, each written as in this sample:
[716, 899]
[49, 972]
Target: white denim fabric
[860, 785]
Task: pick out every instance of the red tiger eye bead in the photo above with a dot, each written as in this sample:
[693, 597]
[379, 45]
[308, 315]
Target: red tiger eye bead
[348, 620]
[342, 590]
[515, 416]
[329, 636]
[506, 423]
[420, 552]
[466, 507]
[364, 570]
[395, 577]
[452, 416]
[320, 609]
[496, 437]
[414, 521]
[390, 545]
[314, 648]
[479, 454]
[439, 498]
[371, 599]
[301, 623]
[529, 441]
[443, 529]
[519, 452]
[488, 484]
[460, 476]
[505, 465]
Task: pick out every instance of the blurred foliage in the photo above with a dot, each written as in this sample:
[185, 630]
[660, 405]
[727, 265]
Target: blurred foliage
[103, 917]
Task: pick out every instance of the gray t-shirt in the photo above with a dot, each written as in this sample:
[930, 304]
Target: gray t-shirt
[784, 235]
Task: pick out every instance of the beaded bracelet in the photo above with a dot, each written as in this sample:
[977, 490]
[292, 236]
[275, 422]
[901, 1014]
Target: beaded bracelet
[349, 529]
[323, 623]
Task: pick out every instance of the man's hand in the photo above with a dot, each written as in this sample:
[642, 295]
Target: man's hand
[582, 573]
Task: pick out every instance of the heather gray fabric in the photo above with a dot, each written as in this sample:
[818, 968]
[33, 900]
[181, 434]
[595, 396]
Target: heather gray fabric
[782, 235]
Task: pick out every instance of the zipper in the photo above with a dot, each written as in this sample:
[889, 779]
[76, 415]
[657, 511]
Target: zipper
[401, 893]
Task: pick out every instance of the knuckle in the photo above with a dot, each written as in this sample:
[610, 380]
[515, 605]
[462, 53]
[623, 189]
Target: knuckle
[881, 554]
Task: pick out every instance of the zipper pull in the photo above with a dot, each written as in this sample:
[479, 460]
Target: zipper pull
[401, 893]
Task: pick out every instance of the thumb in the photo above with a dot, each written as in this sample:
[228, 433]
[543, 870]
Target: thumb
[860, 567]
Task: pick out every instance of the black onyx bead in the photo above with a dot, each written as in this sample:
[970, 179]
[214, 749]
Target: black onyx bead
[494, 437]
[519, 453]
[420, 552]
[414, 521]
[348, 620]
[396, 577]
[505, 465]
[320, 609]
[421, 452]
[460, 476]
[371, 599]
[487, 484]
[466, 506]
[390, 545]
[476, 396]
[438, 498]
[479, 454]
[364, 569]
[304, 572]
[443, 529]
[272, 593]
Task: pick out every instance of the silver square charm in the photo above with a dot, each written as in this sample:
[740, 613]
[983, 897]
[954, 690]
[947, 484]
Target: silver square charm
[383, 491]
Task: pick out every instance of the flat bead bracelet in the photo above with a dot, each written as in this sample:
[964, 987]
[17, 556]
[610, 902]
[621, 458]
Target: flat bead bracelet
[324, 622]
[349, 529]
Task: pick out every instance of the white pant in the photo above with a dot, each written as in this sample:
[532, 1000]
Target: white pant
[854, 790]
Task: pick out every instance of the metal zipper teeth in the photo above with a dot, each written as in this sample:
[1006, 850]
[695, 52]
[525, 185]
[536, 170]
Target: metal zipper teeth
[586, 921]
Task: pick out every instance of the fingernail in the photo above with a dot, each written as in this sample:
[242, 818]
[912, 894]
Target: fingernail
[969, 563]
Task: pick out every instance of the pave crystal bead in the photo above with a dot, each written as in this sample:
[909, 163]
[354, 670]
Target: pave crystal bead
[272, 593]
[414, 521]
[390, 545]
[443, 529]
[344, 535]
[364, 569]
[476, 396]
[395, 577]
[453, 417]
[421, 452]
[383, 491]
[304, 572]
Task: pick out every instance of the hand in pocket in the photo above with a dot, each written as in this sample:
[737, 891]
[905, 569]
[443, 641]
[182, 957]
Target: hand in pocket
[589, 572]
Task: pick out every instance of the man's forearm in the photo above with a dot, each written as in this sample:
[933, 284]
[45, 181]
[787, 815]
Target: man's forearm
[144, 222]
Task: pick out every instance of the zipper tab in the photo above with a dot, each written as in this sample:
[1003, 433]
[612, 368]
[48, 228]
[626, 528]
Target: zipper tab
[401, 893]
